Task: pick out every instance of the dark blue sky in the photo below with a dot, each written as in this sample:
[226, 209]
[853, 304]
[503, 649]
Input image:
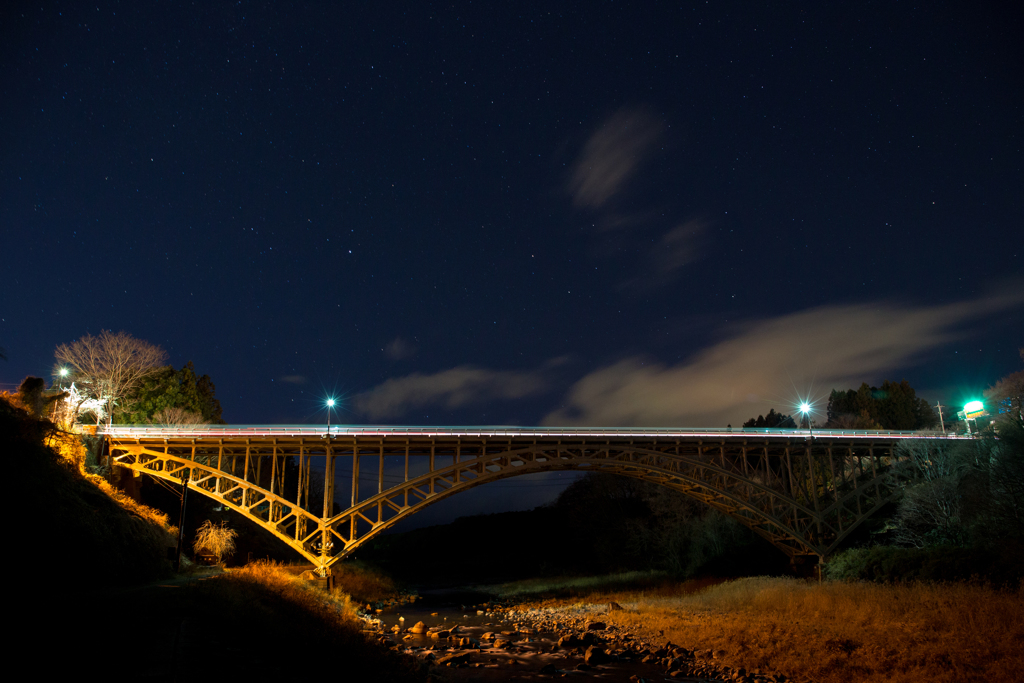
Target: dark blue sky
[612, 213]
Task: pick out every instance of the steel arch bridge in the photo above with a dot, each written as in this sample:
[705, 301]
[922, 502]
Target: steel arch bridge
[802, 491]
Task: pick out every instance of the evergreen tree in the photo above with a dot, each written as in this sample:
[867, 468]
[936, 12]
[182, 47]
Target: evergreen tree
[169, 388]
[772, 420]
[894, 405]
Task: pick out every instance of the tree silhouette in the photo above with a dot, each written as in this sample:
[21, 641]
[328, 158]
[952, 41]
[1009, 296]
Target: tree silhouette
[772, 420]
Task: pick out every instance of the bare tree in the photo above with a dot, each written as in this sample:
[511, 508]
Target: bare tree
[109, 366]
[1007, 397]
[932, 509]
[216, 539]
[178, 416]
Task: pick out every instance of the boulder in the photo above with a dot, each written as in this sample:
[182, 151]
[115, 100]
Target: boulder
[569, 641]
[453, 659]
[596, 626]
[595, 655]
[419, 628]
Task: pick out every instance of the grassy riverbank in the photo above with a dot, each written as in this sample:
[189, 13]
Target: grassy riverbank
[836, 632]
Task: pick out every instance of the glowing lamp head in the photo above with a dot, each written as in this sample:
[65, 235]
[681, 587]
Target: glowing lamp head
[63, 372]
[974, 409]
[805, 408]
[330, 403]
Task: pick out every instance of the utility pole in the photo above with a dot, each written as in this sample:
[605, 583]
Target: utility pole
[941, 421]
[181, 519]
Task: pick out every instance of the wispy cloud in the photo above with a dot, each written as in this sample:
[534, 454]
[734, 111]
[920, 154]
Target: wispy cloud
[399, 349]
[610, 161]
[677, 248]
[452, 388]
[612, 155]
[294, 379]
[765, 363]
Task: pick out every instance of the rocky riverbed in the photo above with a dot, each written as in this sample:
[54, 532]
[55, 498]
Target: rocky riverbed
[491, 641]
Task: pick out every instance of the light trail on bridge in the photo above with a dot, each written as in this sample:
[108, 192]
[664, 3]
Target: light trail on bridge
[341, 431]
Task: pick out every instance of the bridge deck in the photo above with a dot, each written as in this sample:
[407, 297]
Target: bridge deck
[340, 431]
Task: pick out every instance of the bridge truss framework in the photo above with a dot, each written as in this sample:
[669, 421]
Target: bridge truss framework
[803, 492]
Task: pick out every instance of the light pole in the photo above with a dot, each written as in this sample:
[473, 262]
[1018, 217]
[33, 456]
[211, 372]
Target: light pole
[330, 404]
[972, 411]
[805, 408]
[323, 571]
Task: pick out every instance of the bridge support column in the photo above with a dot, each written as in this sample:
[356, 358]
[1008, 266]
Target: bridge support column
[325, 532]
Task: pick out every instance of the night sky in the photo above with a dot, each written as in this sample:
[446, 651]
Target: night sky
[601, 213]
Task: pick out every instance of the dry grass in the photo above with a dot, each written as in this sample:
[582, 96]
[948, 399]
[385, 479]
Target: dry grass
[843, 632]
[363, 584]
[71, 453]
[267, 598]
[335, 608]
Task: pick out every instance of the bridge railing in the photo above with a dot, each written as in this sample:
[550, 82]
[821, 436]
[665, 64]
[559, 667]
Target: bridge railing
[337, 431]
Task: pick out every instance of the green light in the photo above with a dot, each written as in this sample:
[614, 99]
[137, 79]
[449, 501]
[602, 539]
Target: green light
[330, 403]
[974, 409]
[805, 408]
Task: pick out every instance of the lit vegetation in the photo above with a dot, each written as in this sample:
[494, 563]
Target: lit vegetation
[269, 599]
[216, 539]
[840, 632]
[335, 608]
[364, 584]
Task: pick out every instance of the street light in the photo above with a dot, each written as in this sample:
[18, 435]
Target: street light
[805, 408]
[972, 411]
[330, 404]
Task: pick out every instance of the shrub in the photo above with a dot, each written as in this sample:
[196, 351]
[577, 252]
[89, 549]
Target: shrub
[885, 564]
[216, 539]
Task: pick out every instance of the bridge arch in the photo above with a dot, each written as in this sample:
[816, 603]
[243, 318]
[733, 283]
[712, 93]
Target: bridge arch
[803, 494]
[766, 523]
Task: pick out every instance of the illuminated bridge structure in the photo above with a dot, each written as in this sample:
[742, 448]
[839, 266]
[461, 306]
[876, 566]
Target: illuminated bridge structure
[803, 491]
